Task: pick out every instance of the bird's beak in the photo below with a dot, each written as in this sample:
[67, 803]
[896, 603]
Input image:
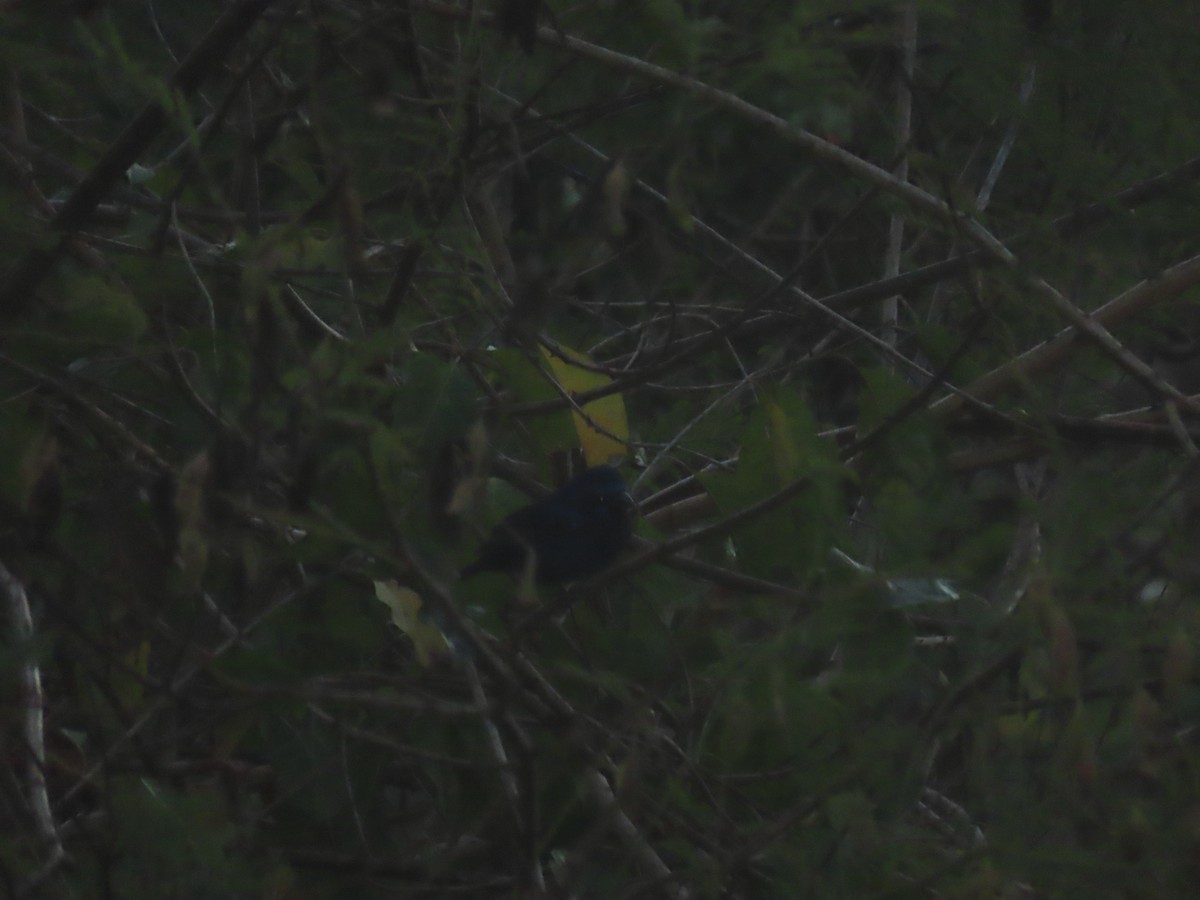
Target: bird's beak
[626, 503]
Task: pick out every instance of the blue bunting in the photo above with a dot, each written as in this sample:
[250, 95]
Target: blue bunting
[578, 530]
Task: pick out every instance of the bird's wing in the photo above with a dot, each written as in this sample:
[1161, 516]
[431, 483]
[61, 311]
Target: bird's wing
[545, 520]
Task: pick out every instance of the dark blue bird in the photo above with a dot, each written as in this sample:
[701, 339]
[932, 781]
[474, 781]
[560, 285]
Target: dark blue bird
[578, 530]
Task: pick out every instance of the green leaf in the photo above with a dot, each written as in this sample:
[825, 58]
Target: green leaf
[393, 465]
[527, 383]
[26, 454]
[781, 446]
[96, 311]
[436, 400]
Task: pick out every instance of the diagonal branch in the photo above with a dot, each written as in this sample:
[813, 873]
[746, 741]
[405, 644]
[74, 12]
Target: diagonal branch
[1049, 353]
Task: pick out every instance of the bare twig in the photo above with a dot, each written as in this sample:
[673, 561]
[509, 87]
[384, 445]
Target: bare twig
[33, 730]
[889, 312]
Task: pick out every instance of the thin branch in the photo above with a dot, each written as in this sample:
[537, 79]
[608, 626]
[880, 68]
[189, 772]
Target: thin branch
[984, 197]
[32, 703]
[889, 312]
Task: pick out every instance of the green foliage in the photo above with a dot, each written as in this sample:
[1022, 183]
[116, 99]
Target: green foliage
[526, 379]
[168, 842]
[780, 446]
[292, 347]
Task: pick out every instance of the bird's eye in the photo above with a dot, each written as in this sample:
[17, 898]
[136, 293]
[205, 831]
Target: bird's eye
[619, 501]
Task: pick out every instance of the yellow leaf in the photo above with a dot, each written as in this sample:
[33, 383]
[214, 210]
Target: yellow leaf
[405, 605]
[602, 428]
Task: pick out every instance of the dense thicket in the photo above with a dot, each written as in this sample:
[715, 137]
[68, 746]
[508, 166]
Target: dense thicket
[887, 312]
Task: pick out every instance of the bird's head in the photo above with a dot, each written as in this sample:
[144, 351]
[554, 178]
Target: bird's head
[600, 487]
[578, 530]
